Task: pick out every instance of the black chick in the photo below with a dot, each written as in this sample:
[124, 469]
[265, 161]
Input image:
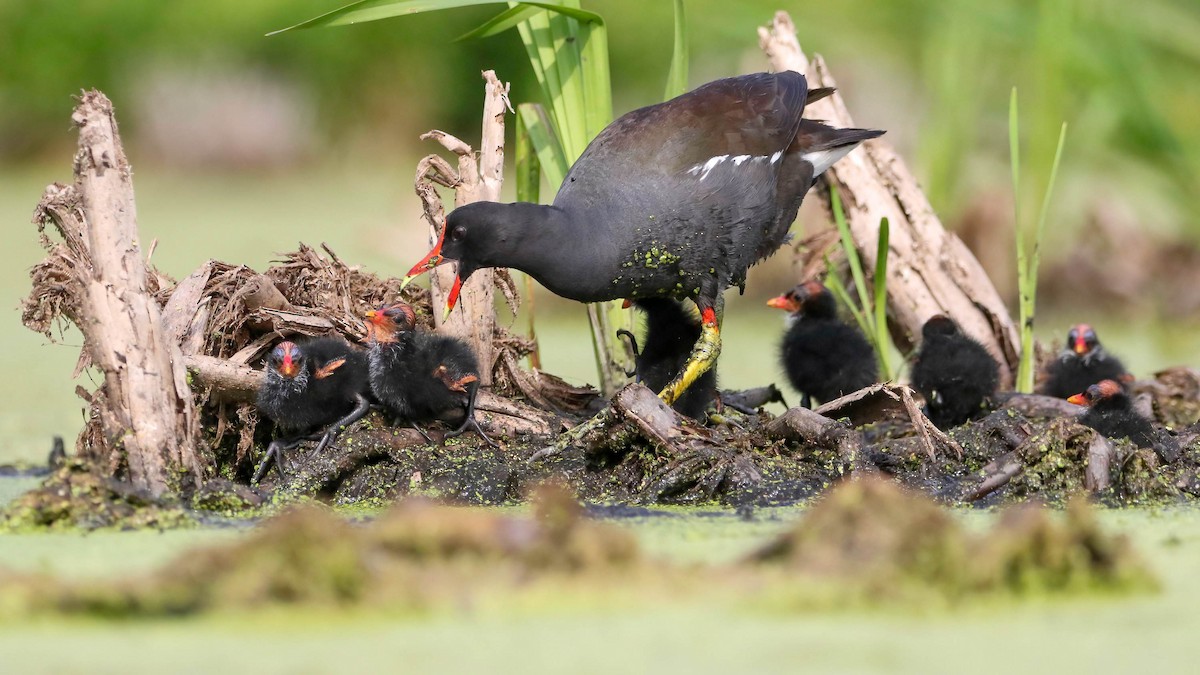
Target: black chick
[1110, 411]
[824, 357]
[670, 333]
[312, 390]
[1081, 364]
[953, 372]
[419, 376]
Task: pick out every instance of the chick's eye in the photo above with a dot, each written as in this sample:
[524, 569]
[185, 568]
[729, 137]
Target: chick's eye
[458, 233]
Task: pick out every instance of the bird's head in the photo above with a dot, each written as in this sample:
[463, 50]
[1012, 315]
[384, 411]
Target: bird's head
[286, 359]
[1082, 339]
[939, 325]
[810, 298]
[1101, 391]
[382, 324]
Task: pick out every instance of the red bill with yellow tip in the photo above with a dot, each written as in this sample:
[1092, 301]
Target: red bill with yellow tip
[430, 261]
[1077, 399]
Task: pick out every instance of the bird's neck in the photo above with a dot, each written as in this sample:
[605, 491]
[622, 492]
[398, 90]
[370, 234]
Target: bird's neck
[554, 246]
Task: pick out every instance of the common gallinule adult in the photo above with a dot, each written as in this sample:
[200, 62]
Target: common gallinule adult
[1081, 364]
[953, 372]
[1110, 411]
[822, 356]
[671, 330]
[420, 376]
[312, 390]
[672, 200]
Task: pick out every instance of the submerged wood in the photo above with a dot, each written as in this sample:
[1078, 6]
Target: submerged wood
[930, 271]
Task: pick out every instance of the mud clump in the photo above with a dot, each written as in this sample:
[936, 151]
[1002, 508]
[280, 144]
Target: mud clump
[78, 496]
[870, 541]
[415, 556]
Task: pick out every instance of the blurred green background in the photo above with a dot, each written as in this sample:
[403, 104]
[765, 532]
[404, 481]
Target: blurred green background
[244, 145]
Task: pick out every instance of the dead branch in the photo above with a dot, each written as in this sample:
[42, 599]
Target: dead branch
[226, 380]
[149, 413]
[807, 426]
[477, 179]
[999, 473]
[889, 402]
[930, 271]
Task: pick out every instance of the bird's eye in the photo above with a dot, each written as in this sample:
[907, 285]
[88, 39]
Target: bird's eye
[458, 233]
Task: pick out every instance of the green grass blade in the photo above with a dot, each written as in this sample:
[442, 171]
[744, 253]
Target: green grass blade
[1041, 224]
[593, 41]
[375, 10]
[835, 286]
[879, 298]
[533, 118]
[856, 271]
[677, 76]
[526, 164]
[506, 20]
[567, 63]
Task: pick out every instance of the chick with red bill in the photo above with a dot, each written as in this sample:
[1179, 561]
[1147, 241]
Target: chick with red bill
[419, 376]
[1081, 364]
[822, 356]
[1110, 411]
[672, 200]
[954, 372]
[312, 390]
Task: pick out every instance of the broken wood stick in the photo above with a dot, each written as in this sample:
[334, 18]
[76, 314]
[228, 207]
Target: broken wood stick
[930, 271]
[476, 179]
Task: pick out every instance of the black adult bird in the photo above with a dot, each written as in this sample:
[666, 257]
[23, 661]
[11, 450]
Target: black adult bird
[419, 376]
[823, 356]
[671, 330]
[1081, 364]
[676, 199]
[953, 372]
[1110, 411]
[311, 390]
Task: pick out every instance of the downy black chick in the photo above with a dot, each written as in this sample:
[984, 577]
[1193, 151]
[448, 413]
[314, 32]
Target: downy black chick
[1110, 411]
[420, 376]
[1081, 364]
[954, 373]
[823, 356]
[311, 390]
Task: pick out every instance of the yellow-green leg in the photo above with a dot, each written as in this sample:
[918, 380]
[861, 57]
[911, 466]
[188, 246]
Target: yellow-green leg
[704, 356]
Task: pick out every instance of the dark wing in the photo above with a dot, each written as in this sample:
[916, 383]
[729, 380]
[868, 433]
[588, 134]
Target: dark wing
[721, 125]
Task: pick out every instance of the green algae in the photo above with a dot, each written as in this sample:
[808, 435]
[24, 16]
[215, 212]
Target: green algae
[77, 495]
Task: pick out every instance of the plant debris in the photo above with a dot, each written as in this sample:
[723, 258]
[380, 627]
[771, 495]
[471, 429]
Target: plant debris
[875, 540]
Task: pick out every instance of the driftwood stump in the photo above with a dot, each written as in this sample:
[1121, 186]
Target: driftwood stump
[147, 417]
[930, 271]
[478, 178]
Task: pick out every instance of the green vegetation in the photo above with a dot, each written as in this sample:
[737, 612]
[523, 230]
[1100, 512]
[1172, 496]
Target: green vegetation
[870, 311]
[1027, 262]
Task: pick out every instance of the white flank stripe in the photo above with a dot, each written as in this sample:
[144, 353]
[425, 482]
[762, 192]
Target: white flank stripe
[823, 159]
